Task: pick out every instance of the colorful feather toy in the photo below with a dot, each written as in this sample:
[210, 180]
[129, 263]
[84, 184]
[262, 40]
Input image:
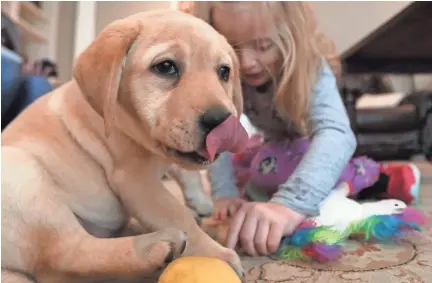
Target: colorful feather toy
[322, 238]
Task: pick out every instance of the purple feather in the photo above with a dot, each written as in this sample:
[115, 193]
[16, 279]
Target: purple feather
[413, 215]
[322, 252]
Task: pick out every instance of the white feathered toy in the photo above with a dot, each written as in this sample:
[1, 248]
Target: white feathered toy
[321, 238]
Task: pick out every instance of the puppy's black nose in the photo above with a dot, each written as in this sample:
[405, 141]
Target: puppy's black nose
[213, 118]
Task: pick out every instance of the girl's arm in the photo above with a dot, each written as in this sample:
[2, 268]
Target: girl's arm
[333, 144]
[221, 177]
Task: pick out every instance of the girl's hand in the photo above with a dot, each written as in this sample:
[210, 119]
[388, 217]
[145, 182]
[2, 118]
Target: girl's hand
[226, 207]
[259, 227]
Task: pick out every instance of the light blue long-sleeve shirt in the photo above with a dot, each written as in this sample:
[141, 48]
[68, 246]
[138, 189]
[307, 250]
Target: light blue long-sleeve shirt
[332, 145]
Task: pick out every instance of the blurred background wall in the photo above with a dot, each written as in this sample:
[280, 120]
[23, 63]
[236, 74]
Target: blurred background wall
[70, 26]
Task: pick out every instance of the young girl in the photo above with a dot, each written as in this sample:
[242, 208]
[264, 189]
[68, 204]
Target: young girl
[289, 93]
[268, 165]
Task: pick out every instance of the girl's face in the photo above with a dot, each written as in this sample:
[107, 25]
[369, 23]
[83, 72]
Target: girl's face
[260, 59]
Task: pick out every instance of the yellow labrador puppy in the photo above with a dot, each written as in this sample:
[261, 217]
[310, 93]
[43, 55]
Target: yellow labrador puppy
[82, 160]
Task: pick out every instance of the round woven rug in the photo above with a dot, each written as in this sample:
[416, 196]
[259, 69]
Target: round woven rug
[409, 261]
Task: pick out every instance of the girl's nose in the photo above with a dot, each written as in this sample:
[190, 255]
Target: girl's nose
[248, 61]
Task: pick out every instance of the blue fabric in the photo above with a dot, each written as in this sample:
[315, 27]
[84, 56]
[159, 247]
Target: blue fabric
[30, 89]
[35, 87]
[222, 178]
[11, 78]
[333, 144]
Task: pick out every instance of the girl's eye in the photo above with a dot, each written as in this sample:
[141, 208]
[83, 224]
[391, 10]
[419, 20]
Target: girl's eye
[167, 68]
[264, 44]
[224, 73]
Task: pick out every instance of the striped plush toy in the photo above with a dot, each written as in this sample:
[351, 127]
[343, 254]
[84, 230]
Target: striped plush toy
[322, 238]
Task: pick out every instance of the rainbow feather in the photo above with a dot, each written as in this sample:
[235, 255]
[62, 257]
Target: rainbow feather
[317, 243]
[324, 244]
[325, 253]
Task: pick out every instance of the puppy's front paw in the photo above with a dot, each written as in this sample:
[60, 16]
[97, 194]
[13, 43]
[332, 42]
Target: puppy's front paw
[161, 247]
[201, 244]
[215, 250]
[232, 258]
[203, 206]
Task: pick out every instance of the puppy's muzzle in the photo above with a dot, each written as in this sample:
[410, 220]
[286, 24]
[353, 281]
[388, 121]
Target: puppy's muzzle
[220, 131]
[211, 119]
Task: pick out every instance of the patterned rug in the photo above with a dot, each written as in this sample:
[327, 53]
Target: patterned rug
[408, 262]
[362, 262]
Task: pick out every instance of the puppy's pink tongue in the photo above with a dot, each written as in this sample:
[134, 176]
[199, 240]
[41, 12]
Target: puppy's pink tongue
[228, 136]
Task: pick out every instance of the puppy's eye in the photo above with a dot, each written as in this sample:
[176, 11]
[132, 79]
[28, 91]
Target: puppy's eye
[224, 73]
[167, 68]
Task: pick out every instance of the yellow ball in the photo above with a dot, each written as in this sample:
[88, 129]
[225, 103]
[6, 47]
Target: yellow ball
[196, 269]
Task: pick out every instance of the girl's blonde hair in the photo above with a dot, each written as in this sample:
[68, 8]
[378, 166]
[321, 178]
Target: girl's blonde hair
[297, 39]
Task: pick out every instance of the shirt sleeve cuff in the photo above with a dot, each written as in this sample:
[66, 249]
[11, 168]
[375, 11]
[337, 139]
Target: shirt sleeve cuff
[222, 179]
[306, 205]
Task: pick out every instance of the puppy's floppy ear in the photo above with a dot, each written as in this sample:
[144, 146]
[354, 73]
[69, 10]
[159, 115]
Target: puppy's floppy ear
[237, 88]
[99, 68]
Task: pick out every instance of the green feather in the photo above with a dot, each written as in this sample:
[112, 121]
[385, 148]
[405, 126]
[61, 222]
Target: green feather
[327, 235]
[366, 226]
[289, 252]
